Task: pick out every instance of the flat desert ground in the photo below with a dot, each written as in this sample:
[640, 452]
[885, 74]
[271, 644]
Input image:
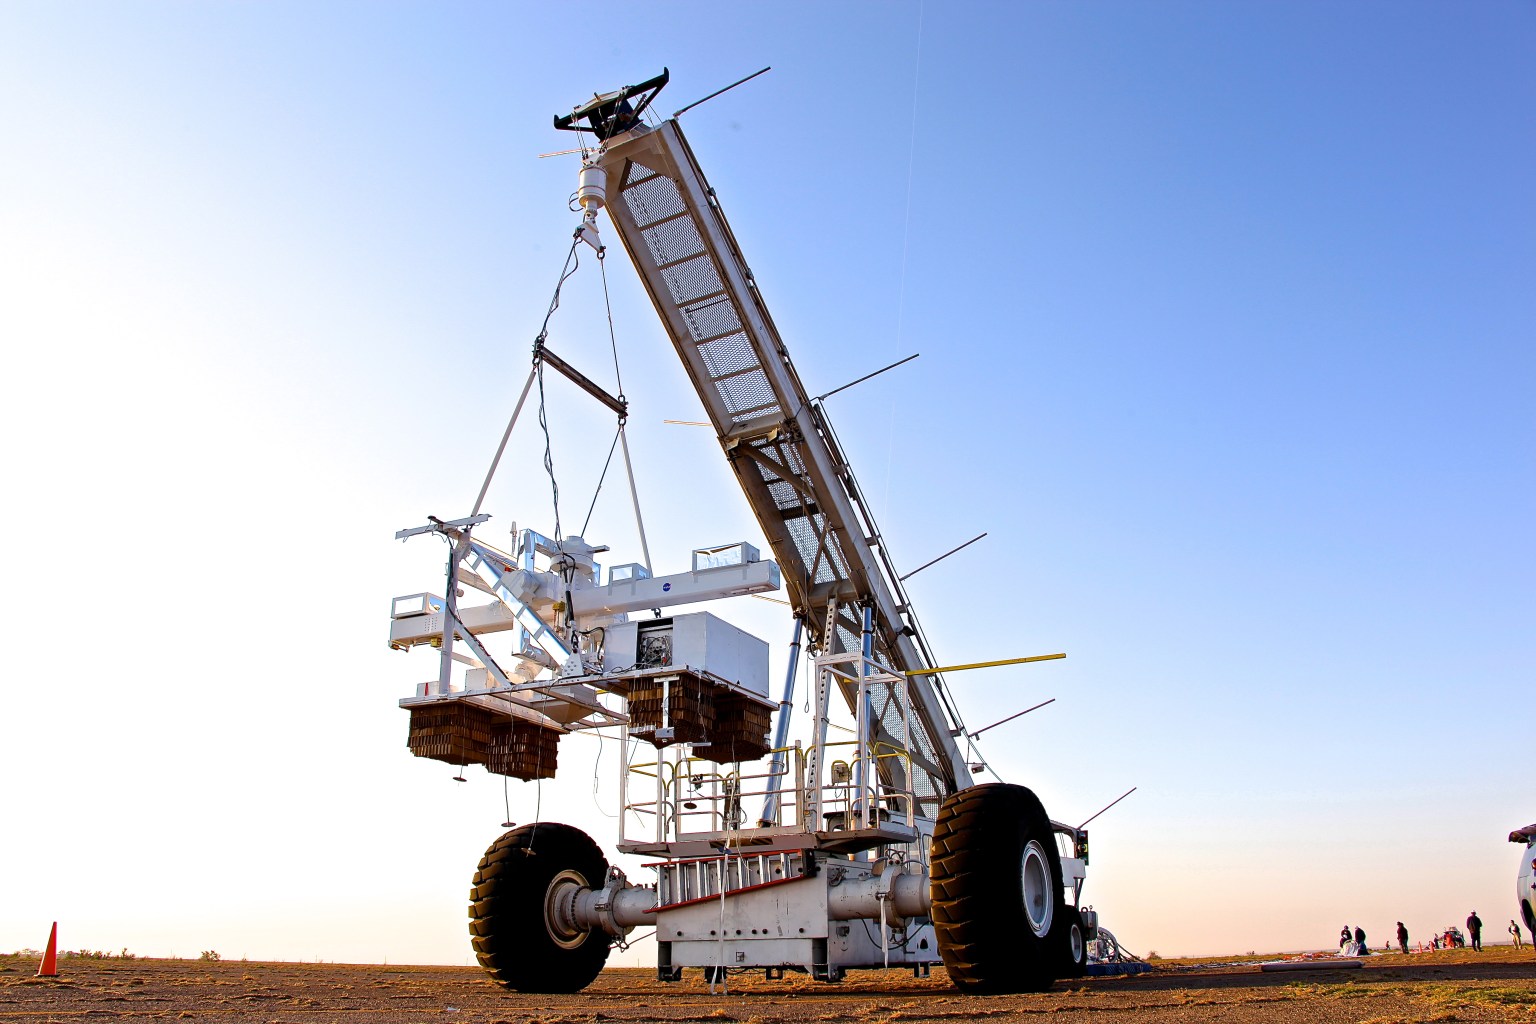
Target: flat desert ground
[1498, 984]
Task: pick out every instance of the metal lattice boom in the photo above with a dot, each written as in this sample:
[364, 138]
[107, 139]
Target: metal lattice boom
[777, 439]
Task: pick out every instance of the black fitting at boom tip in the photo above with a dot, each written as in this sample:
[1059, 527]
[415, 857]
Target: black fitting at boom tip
[612, 113]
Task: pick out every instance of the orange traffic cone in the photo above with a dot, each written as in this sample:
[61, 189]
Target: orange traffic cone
[49, 968]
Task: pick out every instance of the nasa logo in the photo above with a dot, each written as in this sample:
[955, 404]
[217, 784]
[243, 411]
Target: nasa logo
[666, 587]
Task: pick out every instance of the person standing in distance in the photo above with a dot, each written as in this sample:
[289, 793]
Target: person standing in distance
[1402, 937]
[1514, 930]
[1475, 928]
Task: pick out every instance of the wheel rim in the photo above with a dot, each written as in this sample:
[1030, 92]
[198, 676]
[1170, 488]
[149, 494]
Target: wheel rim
[560, 909]
[1108, 949]
[1079, 950]
[1039, 902]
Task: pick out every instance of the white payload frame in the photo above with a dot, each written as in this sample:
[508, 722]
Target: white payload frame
[816, 858]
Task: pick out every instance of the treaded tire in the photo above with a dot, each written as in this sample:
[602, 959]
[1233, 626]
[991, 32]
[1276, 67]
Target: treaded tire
[1071, 946]
[983, 841]
[507, 922]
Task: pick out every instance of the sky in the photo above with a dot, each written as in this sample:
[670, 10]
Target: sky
[1224, 313]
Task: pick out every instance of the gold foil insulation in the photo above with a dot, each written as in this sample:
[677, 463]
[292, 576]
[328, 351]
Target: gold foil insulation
[463, 734]
[734, 726]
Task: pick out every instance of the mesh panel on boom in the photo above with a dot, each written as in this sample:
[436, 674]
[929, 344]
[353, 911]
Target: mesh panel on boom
[677, 237]
[696, 288]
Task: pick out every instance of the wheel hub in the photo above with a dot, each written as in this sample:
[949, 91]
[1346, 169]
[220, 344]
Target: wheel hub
[1039, 900]
[560, 909]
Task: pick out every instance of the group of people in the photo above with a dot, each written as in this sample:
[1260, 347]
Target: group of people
[1352, 940]
[1352, 943]
[1449, 938]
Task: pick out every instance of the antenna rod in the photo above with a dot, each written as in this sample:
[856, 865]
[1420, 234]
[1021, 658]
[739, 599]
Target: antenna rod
[1010, 718]
[866, 377]
[941, 558]
[983, 664]
[717, 92]
[1112, 803]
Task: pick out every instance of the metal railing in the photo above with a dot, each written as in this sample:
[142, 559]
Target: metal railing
[681, 795]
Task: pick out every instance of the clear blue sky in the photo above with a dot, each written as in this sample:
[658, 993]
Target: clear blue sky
[1225, 313]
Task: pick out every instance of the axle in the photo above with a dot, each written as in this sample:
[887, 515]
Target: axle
[617, 908]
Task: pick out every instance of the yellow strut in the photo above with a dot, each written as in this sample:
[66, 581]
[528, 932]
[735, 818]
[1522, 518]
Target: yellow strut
[984, 664]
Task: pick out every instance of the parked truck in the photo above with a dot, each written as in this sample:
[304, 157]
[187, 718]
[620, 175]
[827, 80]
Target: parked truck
[1525, 878]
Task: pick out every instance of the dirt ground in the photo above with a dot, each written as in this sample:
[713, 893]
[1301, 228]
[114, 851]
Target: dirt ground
[1498, 984]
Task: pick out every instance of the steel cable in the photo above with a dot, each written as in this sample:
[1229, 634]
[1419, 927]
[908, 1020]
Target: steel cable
[572, 264]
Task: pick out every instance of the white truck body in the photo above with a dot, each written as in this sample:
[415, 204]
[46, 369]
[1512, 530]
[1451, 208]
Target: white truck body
[1525, 879]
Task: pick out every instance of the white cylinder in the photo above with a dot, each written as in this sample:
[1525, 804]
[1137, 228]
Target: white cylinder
[592, 191]
[909, 895]
[634, 905]
[614, 911]
[860, 898]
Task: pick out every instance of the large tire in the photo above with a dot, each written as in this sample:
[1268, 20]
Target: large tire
[995, 889]
[1071, 946]
[514, 937]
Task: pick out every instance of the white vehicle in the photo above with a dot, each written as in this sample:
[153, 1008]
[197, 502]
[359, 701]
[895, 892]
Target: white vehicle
[1525, 882]
[870, 846]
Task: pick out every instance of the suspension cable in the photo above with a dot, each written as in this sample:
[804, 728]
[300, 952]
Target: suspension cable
[634, 497]
[613, 343]
[549, 459]
[599, 489]
[572, 263]
[623, 438]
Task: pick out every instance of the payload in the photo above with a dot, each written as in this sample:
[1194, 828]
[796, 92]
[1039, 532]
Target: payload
[695, 679]
[462, 733]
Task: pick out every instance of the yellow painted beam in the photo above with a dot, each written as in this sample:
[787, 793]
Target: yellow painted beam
[984, 664]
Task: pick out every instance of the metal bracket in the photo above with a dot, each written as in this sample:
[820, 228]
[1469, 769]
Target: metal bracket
[611, 113]
[438, 526]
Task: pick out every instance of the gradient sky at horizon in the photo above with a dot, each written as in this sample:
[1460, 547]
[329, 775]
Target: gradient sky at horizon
[1225, 314]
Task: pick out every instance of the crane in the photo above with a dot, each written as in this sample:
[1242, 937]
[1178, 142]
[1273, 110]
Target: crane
[873, 851]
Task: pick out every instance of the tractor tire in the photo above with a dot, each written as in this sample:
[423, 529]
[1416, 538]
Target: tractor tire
[515, 937]
[1071, 946]
[996, 891]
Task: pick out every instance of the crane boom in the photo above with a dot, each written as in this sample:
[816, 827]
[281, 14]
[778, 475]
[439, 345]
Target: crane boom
[778, 440]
